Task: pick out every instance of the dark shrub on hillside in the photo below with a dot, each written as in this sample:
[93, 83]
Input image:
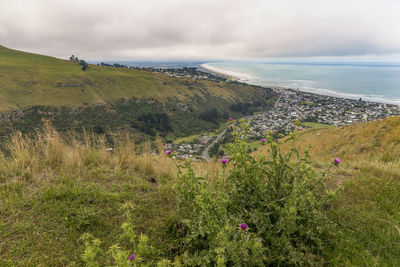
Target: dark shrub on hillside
[151, 123]
[210, 115]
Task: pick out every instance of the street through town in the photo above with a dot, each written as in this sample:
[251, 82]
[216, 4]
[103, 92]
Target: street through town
[205, 155]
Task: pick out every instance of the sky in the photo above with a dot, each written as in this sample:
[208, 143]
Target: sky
[202, 29]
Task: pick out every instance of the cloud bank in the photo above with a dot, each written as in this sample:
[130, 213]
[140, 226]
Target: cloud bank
[201, 29]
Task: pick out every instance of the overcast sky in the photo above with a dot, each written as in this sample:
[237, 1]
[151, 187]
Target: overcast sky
[201, 29]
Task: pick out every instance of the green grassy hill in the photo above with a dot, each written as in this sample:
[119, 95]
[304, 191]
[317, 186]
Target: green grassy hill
[29, 79]
[54, 190]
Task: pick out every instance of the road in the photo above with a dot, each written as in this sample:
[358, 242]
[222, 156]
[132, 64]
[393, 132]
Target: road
[299, 112]
[279, 98]
[205, 156]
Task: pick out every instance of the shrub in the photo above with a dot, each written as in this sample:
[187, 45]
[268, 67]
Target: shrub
[279, 198]
[136, 255]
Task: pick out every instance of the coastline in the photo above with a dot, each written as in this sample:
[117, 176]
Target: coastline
[207, 68]
[244, 78]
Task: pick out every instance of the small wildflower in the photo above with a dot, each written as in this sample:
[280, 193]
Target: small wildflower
[263, 140]
[224, 161]
[230, 119]
[243, 226]
[131, 257]
[336, 161]
[168, 152]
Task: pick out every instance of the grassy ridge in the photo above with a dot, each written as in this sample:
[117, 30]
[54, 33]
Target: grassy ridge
[378, 140]
[29, 79]
[367, 208]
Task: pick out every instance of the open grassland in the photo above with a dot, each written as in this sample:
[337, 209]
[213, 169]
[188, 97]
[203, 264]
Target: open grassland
[29, 79]
[316, 125]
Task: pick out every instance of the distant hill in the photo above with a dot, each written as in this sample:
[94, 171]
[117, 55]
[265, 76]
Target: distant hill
[107, 97]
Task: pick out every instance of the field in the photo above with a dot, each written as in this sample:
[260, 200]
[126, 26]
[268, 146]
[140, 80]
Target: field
[315, 125]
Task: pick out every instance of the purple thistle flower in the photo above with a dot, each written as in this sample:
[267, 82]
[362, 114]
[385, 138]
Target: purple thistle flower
[336, 161]
[230, 119]
[131, 257]
[168, 152]
[224, 161]
[263, 139]
[243, 226]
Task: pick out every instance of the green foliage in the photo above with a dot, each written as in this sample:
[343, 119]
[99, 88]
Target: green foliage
[83, 218]
[248, 107]
[214, 150]
[209, 115]
[135, 254]
[280, 198]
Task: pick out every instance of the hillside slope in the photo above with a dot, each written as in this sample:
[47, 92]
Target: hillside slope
[378, 140]
[29, 79]
[33, 87]
[367, 207]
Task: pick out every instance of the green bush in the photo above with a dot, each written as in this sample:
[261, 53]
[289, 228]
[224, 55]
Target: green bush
[280, 199]
[136, 253]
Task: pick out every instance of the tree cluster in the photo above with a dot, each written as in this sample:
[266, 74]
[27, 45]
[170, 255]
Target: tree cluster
[210, 115]
[151, 123]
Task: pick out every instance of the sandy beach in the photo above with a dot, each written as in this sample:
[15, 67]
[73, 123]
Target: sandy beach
[216, 71]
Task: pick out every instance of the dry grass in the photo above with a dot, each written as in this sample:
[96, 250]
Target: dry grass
[47, 152]
[54, 188]
[34, 158]
[352, 143]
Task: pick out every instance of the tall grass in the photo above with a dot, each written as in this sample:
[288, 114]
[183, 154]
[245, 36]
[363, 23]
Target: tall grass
[31, 158]
[55, 187]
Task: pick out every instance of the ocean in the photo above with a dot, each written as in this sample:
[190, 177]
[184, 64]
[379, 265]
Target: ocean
[371, 81]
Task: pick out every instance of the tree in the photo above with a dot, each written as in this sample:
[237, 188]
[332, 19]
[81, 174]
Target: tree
[73, 58]
[84, 65]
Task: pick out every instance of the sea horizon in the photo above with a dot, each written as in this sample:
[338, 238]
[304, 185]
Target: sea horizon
[374, 81]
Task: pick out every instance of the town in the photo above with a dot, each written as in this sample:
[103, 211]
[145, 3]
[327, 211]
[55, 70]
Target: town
[294, 110]
[193, 73]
